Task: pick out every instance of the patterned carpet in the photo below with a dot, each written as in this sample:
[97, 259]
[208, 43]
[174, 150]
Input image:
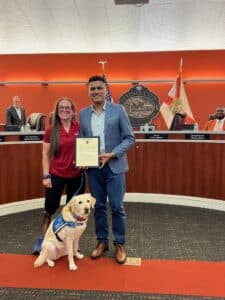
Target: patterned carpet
[154, 231]
[37, 294]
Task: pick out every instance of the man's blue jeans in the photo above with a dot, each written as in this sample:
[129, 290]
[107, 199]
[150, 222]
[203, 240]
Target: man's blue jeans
[105, 184]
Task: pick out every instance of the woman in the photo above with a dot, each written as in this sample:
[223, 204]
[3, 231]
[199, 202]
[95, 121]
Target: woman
[59, 171]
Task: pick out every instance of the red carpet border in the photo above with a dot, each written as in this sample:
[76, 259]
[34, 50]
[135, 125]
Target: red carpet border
[196, 278]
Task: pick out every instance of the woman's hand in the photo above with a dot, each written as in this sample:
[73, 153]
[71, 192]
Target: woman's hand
[47, 183]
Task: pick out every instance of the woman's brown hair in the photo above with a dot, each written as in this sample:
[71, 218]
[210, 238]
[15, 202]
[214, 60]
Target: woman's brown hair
[55, 126]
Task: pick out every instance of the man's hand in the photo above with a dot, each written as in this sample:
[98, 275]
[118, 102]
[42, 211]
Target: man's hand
[104, 158]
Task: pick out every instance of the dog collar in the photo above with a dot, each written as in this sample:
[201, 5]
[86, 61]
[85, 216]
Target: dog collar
[79, 219]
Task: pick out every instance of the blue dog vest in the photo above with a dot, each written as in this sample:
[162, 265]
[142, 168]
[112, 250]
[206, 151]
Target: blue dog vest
[59, 223]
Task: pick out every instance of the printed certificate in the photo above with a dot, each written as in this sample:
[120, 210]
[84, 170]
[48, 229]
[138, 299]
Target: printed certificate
[87, 152]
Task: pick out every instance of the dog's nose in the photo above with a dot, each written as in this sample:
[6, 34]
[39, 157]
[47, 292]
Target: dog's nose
[86, 210]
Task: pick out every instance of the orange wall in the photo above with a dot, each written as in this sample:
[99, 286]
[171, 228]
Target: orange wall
[203, 97]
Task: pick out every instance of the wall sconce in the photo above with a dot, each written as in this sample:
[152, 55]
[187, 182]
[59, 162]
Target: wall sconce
[134, 83]
[44, 83]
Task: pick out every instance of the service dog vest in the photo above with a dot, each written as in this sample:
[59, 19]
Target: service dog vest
[59, 223]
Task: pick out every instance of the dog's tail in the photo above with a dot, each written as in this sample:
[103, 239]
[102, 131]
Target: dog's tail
[40, 260]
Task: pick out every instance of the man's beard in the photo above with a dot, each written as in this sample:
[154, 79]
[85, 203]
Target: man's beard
[220, 117]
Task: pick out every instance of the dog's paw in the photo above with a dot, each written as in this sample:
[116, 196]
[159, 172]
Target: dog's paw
[79, 255]
[50, 263]
[73, 267]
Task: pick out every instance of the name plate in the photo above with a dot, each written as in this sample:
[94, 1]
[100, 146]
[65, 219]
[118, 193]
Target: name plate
[31, 137]
[156, 136]
[197, 136]
[2, 138]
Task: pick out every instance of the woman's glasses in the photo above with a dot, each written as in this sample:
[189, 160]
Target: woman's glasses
[66, 108]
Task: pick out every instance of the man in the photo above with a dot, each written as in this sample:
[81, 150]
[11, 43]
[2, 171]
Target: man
[218, 123]
[111, 123]
[15, 114]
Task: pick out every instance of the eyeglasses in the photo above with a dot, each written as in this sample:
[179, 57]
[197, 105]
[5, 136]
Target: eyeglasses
[93, 88]
[66, 108]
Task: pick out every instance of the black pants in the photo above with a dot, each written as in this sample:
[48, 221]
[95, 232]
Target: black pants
[53, 195]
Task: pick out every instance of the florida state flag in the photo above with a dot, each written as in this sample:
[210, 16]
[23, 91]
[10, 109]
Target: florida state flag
[177, 102]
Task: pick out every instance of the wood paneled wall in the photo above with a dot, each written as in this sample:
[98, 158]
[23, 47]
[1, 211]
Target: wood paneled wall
[20, 172]
[194, 169]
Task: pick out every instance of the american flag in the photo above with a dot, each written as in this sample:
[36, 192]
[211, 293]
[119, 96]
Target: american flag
[108, 93]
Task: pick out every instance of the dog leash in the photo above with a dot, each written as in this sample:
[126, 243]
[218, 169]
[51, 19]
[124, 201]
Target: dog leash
[80, 187]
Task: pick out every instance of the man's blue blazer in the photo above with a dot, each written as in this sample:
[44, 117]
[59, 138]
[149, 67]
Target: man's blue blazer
[118, 134]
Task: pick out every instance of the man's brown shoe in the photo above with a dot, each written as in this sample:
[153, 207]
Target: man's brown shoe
[99, 250]
[121, 255]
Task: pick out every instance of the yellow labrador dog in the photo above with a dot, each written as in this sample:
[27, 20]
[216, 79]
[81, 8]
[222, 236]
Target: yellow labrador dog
[62, 236]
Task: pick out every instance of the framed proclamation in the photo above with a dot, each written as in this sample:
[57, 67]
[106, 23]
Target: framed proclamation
[87, 151]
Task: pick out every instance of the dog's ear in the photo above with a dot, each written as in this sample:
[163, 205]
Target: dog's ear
[69, 207]
[93, 201]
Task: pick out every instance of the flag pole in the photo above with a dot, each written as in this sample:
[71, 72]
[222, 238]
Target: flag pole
[103, 62]
[108, 94]
[181, 66]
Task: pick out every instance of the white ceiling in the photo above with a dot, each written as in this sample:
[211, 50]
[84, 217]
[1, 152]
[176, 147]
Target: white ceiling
[93, 26]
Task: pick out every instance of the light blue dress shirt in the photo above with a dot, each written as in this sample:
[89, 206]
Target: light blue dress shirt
[98, 126]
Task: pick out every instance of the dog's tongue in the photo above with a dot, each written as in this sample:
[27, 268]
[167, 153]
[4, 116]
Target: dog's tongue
[80, 219]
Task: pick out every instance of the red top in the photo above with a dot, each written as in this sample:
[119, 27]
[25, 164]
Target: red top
[62, 163]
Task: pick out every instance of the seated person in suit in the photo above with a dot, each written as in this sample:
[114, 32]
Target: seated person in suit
[218, 123]
[15, 114]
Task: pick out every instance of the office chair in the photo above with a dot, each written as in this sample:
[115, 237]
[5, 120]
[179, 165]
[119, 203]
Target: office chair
[37, 121]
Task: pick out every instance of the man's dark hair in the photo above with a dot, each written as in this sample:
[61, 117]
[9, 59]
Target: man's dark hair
[96, 78]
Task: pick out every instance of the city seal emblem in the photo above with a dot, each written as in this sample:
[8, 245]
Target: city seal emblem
[141, 105]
